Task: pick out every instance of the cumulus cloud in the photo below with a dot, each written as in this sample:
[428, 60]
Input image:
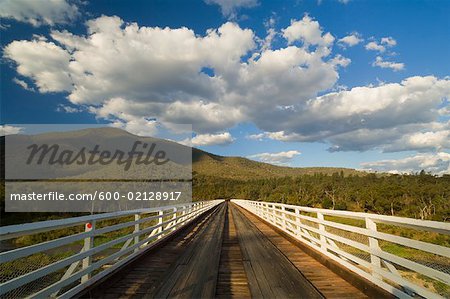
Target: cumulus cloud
[389, 41]
[280, 158]
[9, 130]
[135, 76]
[229, 8]
[436, 163]
[37, 13]
[22, 84]
[373, 46]
[140, 126]
[211, 139]
[308, 31]
[44, 62]
[364, 118]
[395, 66]
[385, 42]
[127, 72]
[350, 40]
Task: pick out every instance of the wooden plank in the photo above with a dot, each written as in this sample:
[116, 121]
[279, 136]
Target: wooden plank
[326, 281]
[232, 281]
[146, 274]
[200, 264]
[270, 273]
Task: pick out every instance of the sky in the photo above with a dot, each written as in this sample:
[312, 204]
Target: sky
[358, 84]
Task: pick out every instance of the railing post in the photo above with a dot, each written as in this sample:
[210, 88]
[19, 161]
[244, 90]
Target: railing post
[174, 217]
[323, 239]
[137, 217]
[373, 245]
[160, 221]
[183, 214]
[283, 216]
[297, 221]
[88, 244]
[272, 212]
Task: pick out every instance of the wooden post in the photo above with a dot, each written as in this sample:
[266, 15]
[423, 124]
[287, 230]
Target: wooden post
[323, 239]
[88, 244]
[137, 217]
[283, 216]
[160, 221]
[373, 244]
[174, 217]
[297, 220]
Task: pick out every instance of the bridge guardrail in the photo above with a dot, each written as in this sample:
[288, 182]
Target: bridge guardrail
[368, 245]
[68, 255]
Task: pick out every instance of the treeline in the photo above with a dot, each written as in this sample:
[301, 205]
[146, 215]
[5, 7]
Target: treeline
[421, 196]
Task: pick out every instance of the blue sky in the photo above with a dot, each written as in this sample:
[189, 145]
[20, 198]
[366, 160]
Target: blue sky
[360, 84]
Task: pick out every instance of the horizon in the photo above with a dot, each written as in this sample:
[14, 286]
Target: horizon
[357, 84]
[72, 128]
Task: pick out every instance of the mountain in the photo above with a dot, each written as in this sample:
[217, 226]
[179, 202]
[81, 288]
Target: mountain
[208, 164]
[203, 163]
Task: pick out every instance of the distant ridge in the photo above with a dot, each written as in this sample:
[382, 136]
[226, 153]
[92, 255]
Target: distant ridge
[203, 163]
[208, 164]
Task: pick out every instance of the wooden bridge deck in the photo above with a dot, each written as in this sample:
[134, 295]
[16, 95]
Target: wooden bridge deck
[227, 253]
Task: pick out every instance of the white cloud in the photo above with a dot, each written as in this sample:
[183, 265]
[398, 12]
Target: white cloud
[308, 31]
[259, 136]
[127, 72]
[389, 41]
[43, 62]
[385, 42]
[9, 130]
[68, 109]
[134, 75]
[340, 60]
[22, 84]
[229, 7]
[211, 139]
[140, 127]
[39, 12]
[373, 46]
[280, 158]
[436, 163]
[363, 118]
[436, 140]
[350, 40]
[395, 66]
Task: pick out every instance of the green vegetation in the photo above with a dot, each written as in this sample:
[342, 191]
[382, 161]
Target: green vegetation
[239, 168]
[421, 196]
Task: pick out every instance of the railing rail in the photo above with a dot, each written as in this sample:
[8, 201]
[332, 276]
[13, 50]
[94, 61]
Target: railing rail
[401, 265]
[44, 270]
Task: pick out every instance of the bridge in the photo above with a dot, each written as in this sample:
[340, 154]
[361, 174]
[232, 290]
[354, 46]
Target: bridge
[226, 249]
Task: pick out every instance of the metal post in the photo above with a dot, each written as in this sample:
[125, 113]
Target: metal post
[88, 244]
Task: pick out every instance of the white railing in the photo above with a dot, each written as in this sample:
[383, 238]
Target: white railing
[369, 245]
[83, 250]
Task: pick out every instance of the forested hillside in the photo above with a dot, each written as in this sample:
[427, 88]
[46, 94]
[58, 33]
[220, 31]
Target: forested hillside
[420, 196]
